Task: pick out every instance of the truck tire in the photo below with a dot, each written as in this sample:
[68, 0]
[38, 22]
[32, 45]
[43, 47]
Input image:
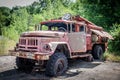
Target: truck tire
[97, 52]
[90, 58]
[56, 65]
[23, 64]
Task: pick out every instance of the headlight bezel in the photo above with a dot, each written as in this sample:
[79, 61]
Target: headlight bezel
[47, 48]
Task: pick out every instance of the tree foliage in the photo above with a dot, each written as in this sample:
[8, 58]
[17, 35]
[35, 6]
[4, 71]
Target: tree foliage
[4, 18]
[19, 23]
[102, 12]
[114, 45]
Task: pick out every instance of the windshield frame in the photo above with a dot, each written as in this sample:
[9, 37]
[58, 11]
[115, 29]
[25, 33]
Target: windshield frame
[67, 25]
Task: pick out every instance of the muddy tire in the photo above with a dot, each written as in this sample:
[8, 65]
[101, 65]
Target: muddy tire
[97, 52]
[56, 65]
[90, 58]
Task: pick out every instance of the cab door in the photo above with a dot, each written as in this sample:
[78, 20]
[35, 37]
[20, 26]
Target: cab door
[77, 39]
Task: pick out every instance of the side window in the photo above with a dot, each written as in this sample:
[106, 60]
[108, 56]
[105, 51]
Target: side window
[73, 28]
[82, 28]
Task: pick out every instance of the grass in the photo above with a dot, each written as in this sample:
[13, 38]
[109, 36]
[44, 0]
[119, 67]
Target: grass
[111, 57]
[6, 45]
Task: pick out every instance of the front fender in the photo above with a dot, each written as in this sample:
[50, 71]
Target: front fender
[53, 45]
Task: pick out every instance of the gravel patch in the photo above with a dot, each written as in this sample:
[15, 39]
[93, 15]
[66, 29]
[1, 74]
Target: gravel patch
[78, 70]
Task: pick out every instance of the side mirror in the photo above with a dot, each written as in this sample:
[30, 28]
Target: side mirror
[37, 27]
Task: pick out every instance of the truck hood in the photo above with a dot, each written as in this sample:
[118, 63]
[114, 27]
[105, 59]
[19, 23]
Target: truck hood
[42, 34]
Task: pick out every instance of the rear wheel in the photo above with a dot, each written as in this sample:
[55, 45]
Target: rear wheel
[56, 65]
[90, 58]
[97, 52]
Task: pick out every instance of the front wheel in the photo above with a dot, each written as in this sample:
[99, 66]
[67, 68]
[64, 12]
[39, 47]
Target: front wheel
[56, 65]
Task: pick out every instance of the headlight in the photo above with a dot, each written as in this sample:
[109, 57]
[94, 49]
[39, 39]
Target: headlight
[47, 47]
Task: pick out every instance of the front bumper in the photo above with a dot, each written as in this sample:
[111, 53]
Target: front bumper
[30, 55]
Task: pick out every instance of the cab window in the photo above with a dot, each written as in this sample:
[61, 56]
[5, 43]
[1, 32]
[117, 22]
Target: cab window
[82, 28]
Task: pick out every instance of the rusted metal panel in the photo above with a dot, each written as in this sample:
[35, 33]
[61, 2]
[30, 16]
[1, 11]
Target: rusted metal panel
[30, 55]
[28, 43]
[38, 43]
[107, 35]
[43, 34]
[77, 41]
[88, 42]
[55, 44]
[98, 32]
[102, 33]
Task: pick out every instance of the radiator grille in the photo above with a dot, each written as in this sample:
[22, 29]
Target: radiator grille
[22, 41]
[28, 44]
[32, 42]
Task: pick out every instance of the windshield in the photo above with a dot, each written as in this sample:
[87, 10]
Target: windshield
[56, 26]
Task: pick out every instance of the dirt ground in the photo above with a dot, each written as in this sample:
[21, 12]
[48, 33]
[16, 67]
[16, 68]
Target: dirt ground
[78, 70]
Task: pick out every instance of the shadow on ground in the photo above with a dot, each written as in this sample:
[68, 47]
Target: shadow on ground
[77, 64]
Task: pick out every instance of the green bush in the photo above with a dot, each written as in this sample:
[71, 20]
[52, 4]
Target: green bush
[6, 45]
[114, 45]
[111, 57]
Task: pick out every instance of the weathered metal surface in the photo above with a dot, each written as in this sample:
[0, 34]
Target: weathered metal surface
[28, 43]
[102, 33]
[107, 35]
[77, 41]
[42, 34]
[30, 55]
[88, 42]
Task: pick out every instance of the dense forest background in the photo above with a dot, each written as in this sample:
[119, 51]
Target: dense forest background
[105, 13]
